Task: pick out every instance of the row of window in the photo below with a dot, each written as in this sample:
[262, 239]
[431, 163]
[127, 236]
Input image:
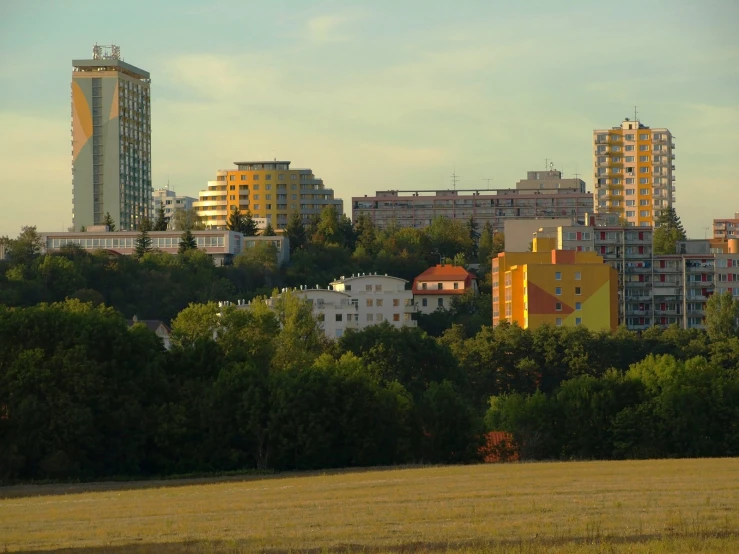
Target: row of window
[130, 242]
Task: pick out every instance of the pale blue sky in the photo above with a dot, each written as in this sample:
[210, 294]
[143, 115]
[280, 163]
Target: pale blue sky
[375, 95]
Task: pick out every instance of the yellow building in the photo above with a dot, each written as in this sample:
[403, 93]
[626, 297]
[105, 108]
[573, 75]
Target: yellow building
[555, 287]
[633, 169]
[270, 190]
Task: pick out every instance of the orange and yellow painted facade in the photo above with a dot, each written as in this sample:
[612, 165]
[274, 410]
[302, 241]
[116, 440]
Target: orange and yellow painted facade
[555, 287]
[270, 190]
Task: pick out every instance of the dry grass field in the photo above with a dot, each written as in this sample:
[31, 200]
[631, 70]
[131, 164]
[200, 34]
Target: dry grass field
[640, 506]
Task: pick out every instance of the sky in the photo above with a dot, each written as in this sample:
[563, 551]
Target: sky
[376, 95]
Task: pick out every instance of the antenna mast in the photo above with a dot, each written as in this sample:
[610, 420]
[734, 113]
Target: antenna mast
[488, 181]
[455, 179]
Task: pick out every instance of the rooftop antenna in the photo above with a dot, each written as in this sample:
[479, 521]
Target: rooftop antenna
[488, 181]
[635, 116]
[455, 178]
[705, 232]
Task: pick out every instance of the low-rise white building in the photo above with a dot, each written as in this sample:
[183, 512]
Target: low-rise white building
[222, 246]
[360, 301]
[171, 202]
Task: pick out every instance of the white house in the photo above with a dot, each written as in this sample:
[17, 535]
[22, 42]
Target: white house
[434, 288]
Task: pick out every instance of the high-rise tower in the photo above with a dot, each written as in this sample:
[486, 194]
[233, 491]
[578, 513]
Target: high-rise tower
[111, 140]
[633, 172]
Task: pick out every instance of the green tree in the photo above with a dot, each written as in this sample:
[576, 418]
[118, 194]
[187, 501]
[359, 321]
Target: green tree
[161, 221]
[722, 317]
[109, 221]
[669, 230]
[301, 340]
[268, 231]
[366, 234]
[474, 234]
[187, 242]
[296, 232]
[235, 220]
[187, 220]
[142, 244]
[449, 237]
[249, 227]
[327, 227]
[26, 247]
[259, 265]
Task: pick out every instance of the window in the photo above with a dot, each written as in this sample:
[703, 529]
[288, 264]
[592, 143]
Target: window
[268, 177]
[396, 302]
[644, 213]
[424, 302]
[629, 158]
[293, 177]
[558, 275]
[558, 306]
[339, 333]
[256, 177]
[378, 317]
[643, 170]
[368, 288]
[370, 302]
[423, 286]
[339, 317]
[644, 136]
[643, 191]
[644, 202]
[396, 317]
[255, 187]
[456, 286]
[558, 322]
[232, 177]
[577, 291]
[644, 148]
[630, 203]
[578, 320]
[629, 148]
[232, 187]
[256, 207]
[558, 291]
[370, 317]
[378, 302]
[232, 197]
[578, 306]
[439, 286]
[281, 177]
[440, 302]
[630, 181]
[378, 288]
[630, 213]
[629, 137]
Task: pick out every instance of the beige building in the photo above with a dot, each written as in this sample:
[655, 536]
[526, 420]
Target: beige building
[435, 288]
[111, 141]
[633, 172]
[270, 190]
[727, 228]
[542, 195]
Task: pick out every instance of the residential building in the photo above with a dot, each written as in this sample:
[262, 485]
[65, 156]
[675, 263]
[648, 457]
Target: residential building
[633, 172]
[159, 328]
[270, 190]
[554, 287]
[111, 141]
[435, 288]
[222, 246]
[543, 194]
[726, 228]
[358, 302]
[3, 250]
[172, 202]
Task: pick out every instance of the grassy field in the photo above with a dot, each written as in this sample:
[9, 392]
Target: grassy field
[644, 506]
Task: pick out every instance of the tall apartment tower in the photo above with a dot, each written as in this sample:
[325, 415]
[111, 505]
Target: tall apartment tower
[111, 141]
[633, 172]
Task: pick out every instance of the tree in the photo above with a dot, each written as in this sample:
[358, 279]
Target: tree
[161, 222]
[268, 230]
[189, 219]
[187, 242]
[143, 241]
[296, 233]
[109, 221]
[722, 315]
[669, 230]
[26, 247]
[235, 220]
[249, 227]
[364, 229]
[474, 235]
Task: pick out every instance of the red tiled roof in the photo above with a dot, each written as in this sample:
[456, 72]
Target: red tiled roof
[440, 274]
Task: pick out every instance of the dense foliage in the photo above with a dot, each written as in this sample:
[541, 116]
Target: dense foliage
[83, 395]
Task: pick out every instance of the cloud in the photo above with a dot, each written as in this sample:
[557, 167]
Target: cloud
[323, 29]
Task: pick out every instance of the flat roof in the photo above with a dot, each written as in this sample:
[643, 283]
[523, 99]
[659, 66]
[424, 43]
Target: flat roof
[263, 162]
[112, 62]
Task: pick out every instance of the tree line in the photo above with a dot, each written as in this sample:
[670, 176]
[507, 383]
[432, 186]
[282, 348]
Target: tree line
[85, 396]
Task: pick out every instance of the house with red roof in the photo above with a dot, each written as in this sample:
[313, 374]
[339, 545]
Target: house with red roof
[434, 288]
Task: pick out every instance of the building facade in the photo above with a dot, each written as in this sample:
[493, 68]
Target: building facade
[543, 194]
[435, 288]
[358, 302]
[556, 287]
[270, 190]
[171, 202]
[222, 246]
[111, 141]
[726, 228]
[633, 172]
